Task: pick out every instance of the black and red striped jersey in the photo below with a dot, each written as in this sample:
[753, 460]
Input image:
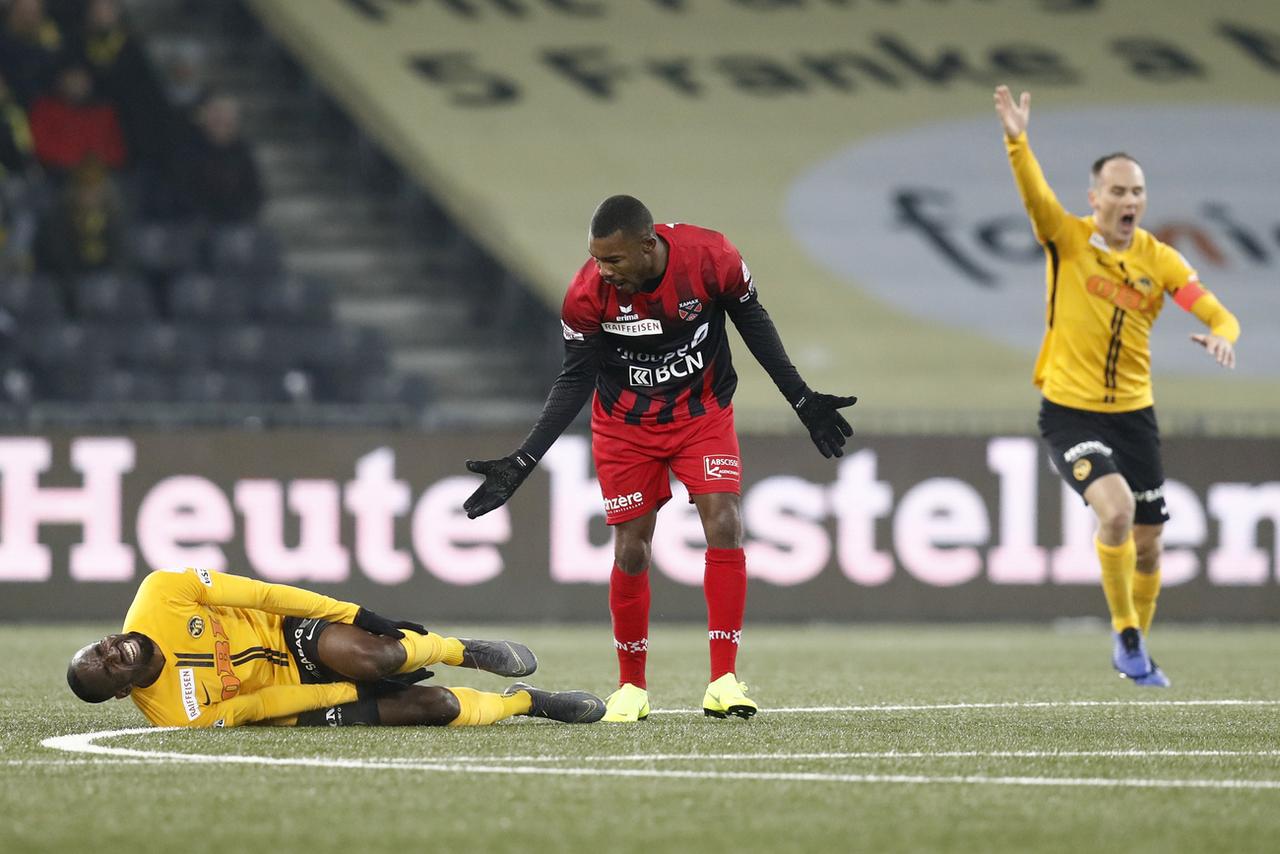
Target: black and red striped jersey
[664, 354]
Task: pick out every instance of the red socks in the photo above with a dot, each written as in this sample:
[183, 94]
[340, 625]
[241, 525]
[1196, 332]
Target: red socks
[629, 606]
[725, 586]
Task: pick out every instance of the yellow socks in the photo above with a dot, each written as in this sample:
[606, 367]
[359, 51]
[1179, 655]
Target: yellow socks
[481, 707]
[1146, 587]
[1119, 563]
[431, 648]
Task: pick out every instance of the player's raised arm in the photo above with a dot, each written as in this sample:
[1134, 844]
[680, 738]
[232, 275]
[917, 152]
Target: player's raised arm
[1014, 115]
[1046, 213]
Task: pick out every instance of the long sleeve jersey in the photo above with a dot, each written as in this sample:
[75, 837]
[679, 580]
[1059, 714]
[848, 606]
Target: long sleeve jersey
[226, 662]
[1101, 302]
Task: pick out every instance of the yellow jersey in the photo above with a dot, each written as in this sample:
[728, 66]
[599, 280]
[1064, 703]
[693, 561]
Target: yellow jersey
[226, 661]
[1101, 302]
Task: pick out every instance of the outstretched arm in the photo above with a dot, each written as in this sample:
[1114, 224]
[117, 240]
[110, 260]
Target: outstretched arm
[502, 477]
[275, 701]
[1224, 329]
[1045, 211]
[827, 427]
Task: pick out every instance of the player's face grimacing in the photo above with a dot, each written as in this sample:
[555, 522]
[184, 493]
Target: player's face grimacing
[114, 664]
[625, 261]
[1119, 199]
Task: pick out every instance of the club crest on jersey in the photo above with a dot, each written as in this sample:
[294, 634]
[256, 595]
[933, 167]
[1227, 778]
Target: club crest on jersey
[195, 627]
[690, 309]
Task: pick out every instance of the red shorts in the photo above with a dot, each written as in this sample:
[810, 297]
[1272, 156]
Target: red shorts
[633, 462]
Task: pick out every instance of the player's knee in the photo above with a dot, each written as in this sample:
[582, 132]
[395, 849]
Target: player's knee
[724, 530]
[631, 556]
[1115, 521]
[1149, 556]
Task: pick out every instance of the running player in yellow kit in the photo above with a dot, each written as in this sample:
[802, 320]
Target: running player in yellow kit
[203, 648]
[1106, 281]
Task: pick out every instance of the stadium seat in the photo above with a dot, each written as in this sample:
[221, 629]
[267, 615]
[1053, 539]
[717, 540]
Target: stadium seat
[295, 299]
[348, 346]
[64, 358]
[167, 346]
[112, 296]
[245, 251]
[131, 386]
[32, 298]
[394, 389]
[161, 249]
[201, 297]
[214, 386]
[246, 347]
[17, 386]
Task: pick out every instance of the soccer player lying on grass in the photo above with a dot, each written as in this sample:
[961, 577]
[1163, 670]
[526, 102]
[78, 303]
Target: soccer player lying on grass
[204, 648]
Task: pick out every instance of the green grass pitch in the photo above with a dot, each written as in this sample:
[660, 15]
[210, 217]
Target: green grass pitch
[872, 738]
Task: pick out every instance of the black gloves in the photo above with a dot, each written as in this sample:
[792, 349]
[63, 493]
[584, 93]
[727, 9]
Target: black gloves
[391, 684]
[376, 624]
[827, 426]
[501, 479]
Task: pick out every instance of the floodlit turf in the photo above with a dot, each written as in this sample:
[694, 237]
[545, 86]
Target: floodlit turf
[993, 739]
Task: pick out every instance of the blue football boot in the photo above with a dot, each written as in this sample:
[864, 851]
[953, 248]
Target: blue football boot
[1154, 679]
[1129, 653]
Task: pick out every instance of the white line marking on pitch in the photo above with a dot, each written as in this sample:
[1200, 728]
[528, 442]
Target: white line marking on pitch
[85, 743]
[886, 754]
[1049, 704]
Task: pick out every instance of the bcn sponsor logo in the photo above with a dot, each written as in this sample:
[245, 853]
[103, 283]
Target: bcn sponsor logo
[940, 531]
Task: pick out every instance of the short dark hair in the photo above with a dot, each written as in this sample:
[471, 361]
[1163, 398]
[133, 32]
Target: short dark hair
[621, 213]
[81, 690]
[1107, 158]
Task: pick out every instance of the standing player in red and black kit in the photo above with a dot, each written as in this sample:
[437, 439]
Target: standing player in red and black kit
[644, 326]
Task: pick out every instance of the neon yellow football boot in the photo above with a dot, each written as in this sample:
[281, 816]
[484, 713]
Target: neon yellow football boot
[626, 705]
[727, 696]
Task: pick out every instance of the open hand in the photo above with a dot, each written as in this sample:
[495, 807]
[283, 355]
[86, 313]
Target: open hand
[1219, 348]
[1014, 116]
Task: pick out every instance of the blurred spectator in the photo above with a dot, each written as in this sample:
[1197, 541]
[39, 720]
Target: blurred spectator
[17, 229]
[17, 149]
[69, 125]
[85, 231]
[123, 75]
[182, 64]
[30, 42]
[19, 174]
[218, 171]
